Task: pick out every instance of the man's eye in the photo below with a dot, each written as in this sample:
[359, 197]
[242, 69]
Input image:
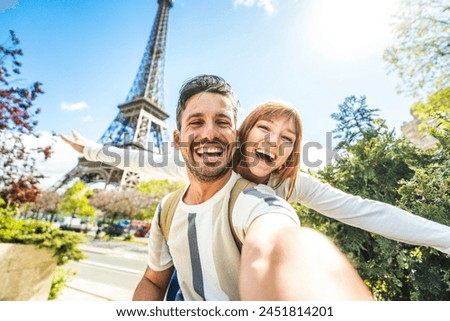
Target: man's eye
[195, 123]
[223, 123]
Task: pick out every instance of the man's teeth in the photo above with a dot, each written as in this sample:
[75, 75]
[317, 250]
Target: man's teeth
[209, 150]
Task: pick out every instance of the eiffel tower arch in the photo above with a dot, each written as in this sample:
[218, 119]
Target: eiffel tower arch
[141, 120]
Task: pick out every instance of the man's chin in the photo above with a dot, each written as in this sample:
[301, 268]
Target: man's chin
[209, 174]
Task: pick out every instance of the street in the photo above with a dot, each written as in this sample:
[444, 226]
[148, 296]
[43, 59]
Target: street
[110, 272]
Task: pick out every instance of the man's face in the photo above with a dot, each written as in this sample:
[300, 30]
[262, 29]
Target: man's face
[207, 136]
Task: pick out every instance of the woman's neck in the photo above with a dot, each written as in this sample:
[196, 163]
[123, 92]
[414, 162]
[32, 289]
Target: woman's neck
[247, 174]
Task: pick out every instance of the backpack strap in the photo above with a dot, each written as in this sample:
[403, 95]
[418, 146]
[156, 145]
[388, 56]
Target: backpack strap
[240, 185]
[168, 210]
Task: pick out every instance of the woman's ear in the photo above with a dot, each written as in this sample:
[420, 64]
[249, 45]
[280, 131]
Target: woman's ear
[176, 139]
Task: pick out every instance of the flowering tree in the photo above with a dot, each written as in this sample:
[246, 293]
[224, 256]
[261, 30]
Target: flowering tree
[17, 120]
[121, 204]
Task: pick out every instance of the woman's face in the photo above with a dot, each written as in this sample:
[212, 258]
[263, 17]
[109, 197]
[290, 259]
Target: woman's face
[268, 146]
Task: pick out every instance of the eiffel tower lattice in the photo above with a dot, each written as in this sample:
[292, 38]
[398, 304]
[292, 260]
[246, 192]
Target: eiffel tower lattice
[141, 121]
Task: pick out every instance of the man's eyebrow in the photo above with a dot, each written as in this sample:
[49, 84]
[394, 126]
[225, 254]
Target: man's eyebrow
[224, 115]
[194, 115]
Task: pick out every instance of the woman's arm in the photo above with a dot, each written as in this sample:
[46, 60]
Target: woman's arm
[170, 166]
[373, 216]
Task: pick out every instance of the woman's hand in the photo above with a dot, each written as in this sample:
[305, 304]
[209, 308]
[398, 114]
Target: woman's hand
[77, 142]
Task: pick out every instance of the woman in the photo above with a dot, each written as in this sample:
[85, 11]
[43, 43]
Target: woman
[270, 139]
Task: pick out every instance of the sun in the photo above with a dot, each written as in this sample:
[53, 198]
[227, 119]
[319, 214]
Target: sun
[348, 29]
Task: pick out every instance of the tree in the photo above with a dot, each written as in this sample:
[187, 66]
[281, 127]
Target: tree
[355, 119]
[379, 166]
[48, 202]
[120, 204]
[435, 112]
[156, 190]
[420, 55]
[17, 119]
[76, 201]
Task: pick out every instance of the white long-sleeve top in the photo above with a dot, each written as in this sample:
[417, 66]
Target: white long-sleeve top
[372, 216]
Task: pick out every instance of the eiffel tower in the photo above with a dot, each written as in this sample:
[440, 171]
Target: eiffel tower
[141, 121]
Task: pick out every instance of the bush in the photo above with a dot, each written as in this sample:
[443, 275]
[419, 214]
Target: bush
[65, 245]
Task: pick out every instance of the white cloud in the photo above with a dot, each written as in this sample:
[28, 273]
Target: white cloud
[270, 6]
[74, 106]
[62, 160]
[87, 118]
[8, 4]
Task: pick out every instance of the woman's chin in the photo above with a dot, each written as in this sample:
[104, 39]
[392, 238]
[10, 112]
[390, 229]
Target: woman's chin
[262, 174]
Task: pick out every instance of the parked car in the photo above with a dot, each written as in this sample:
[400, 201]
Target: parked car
[115, 230]
[75, 224]
[142, 230]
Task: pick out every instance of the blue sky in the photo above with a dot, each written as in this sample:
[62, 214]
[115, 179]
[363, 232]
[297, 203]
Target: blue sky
[311, 53]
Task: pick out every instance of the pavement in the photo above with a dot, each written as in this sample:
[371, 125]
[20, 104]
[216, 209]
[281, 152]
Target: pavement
[74, 289]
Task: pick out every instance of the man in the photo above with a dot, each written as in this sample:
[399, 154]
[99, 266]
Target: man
[279, 260]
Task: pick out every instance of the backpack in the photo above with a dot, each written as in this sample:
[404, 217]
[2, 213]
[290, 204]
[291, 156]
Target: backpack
[165, 221]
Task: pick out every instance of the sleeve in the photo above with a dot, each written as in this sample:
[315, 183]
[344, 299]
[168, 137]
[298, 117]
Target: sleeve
[159, 257]
[373, 216]
[170, 166]
[255, 202]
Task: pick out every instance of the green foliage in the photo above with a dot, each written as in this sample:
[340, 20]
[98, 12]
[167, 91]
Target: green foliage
[64, 244]
[128, 238]
[159, 188]
[60, 278]
[377, 165]
[156, 189]
[76, 200]
[435, 112]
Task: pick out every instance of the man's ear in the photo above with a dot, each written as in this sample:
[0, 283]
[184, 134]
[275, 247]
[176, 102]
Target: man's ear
[176, 139]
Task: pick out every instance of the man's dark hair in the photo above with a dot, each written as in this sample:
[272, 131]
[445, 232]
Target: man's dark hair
[205, 83]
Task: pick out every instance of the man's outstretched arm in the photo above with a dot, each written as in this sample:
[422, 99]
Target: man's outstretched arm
[281, 261]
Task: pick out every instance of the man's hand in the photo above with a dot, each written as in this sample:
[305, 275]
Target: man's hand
[77, 142]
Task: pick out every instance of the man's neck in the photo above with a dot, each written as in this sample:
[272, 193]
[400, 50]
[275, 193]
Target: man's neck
[200, 191]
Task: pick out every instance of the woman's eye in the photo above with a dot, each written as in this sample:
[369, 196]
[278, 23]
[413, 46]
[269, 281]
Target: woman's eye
[288, 140]
[264, 127]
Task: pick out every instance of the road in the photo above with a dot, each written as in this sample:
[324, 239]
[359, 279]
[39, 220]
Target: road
[110, 272]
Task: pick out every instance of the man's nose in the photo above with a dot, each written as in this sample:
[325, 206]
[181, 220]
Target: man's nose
[209, 131]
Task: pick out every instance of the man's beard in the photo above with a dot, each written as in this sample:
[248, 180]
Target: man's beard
[209, 172]
[210, 175]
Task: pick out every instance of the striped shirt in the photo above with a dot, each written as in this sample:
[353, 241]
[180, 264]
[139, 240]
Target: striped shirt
[201, 244]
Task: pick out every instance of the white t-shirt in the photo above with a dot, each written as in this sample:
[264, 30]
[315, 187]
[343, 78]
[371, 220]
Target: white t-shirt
[201, 244]
[373, 216]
